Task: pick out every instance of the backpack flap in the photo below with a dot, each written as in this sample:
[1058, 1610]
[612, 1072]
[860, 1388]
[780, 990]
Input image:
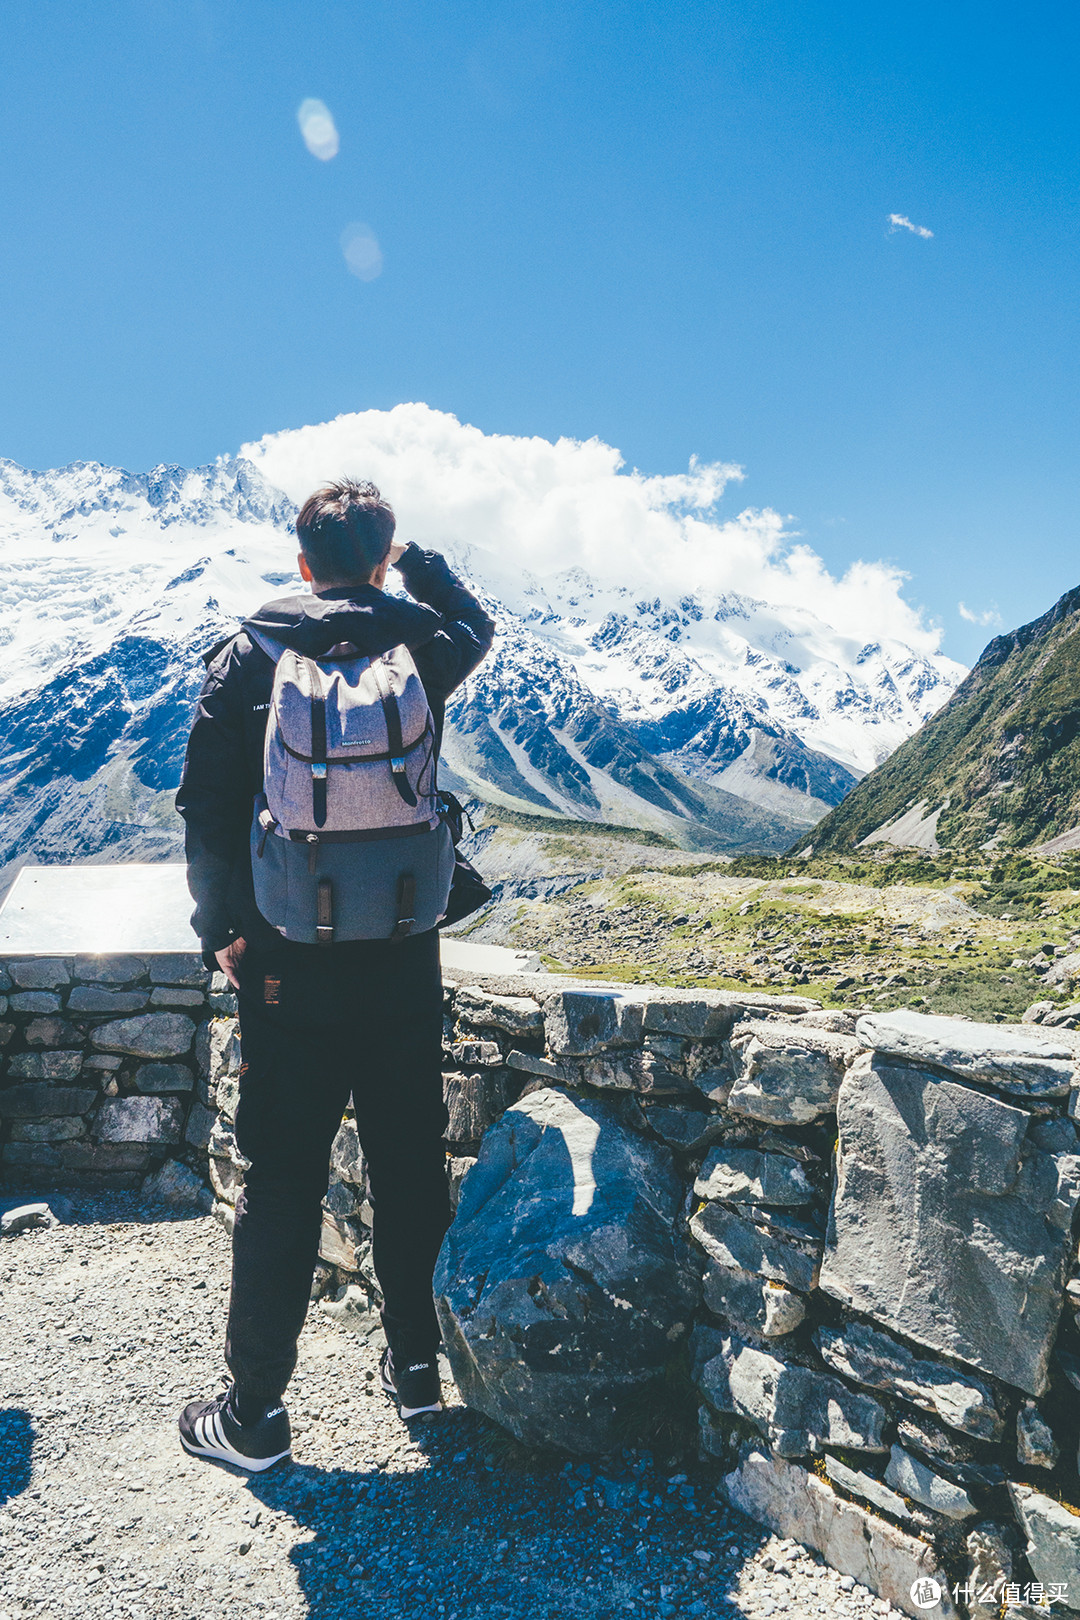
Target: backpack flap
[349, 744]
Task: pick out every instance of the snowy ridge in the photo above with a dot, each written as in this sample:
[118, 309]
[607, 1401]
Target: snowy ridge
[716, 718]
[650, 658]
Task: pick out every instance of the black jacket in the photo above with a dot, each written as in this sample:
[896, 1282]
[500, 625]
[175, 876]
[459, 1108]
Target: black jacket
[446, 630]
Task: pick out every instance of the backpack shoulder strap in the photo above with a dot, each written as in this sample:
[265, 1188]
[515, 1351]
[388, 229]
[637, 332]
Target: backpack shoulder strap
[395, 742]
[318, 743]
[273, 649]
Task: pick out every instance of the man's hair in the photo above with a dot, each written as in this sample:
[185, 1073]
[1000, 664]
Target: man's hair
[345, 530]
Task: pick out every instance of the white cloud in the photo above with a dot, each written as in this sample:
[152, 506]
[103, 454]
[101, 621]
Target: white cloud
[900, 222]
[987, 616]
[363, 255]
[526, 504]
[318, 129]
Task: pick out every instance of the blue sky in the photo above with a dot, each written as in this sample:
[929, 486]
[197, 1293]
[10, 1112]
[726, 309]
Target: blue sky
[665, 225]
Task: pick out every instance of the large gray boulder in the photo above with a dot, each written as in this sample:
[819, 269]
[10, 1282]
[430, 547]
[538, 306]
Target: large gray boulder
[708, 1015]
[87, 998]
[562, 1287]
[181, 967]
[40, 973]
[110, 969]
[948, 1223]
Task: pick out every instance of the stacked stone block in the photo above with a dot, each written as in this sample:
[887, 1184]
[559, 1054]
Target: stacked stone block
[103, 1071]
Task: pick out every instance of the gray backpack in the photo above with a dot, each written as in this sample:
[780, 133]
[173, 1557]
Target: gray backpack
[346, 840]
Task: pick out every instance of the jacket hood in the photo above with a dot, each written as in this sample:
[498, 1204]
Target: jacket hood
[371, 620]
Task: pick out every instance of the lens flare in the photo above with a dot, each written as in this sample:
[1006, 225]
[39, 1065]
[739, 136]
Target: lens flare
[318, 129]
[363, 255]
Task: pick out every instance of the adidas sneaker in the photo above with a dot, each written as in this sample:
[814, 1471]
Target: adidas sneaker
[415, 1386]
[209, 1429]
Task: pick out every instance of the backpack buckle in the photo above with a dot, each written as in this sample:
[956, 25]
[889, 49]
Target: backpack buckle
[397, 766]
[318, 770]
[406, 899]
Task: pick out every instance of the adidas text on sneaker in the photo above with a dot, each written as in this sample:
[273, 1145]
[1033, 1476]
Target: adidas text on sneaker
[209, 1429]
[416, 1387]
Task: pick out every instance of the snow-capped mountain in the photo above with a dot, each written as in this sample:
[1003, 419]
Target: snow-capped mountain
[111, 586]
[716, 717]
[721, 688]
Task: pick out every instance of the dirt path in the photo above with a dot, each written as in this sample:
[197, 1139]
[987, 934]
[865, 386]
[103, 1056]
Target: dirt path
[111, 1321]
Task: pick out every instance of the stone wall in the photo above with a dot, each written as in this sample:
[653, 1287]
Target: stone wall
[104, 1064]
[844, 1246]
[835, 1253]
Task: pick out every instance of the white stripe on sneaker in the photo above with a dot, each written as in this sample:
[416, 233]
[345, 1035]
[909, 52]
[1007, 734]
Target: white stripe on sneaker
[208, 1437]
[415, 1411]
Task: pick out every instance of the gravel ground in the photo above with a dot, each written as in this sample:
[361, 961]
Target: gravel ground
[111, 1321]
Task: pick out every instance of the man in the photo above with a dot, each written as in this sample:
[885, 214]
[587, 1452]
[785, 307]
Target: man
[318, 1023]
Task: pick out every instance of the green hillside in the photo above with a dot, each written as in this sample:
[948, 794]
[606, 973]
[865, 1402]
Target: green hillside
[1001, 760]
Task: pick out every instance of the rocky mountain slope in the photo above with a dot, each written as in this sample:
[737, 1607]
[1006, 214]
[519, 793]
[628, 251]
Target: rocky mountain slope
[527, 734]
[998, 767]
[719, 721]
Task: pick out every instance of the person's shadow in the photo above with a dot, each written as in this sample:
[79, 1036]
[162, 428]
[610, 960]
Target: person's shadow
[407, 1541]
[16, 1448]
[474, 1536]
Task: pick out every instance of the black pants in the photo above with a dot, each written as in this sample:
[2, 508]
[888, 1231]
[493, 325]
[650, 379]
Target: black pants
[363, 1017]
